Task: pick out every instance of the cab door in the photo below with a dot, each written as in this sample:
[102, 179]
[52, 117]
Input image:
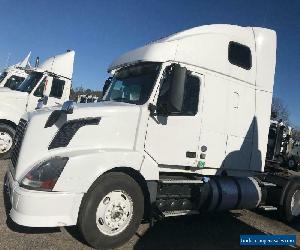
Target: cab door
[39, 92]
[57, 91]
[172, 140]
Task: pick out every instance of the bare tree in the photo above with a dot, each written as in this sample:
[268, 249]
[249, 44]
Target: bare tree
[81, 91]
[280, 110]
[296, 133]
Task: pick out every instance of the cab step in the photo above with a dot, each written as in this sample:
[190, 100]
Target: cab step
[174, 181]
[179, 213]
[267, 208]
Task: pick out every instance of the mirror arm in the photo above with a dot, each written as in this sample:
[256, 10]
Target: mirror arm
[152, 108]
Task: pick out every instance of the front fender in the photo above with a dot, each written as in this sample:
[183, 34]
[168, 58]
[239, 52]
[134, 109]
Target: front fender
[82, 170]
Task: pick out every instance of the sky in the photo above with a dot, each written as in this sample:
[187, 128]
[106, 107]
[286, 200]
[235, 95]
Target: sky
[99, 31]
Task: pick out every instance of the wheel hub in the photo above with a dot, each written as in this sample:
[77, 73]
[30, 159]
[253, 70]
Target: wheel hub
[114, 213]
[5, 142]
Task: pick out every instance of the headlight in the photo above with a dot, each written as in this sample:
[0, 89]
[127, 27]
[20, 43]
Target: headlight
[45, 175]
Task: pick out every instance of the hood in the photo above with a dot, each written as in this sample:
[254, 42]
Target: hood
[107, 109]
[12, 104]
[117, 129]
[8, 93]
[61, 65]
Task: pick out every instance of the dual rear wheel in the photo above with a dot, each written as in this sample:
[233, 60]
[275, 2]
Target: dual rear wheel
[291, 202]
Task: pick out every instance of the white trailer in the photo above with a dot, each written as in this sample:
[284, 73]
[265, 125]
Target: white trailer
[14, 75]
[182, 128]
[46, 86]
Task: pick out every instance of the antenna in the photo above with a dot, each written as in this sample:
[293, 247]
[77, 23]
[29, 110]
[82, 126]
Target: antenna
[37, 62]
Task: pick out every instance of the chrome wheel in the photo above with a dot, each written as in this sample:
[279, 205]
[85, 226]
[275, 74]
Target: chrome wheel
[114, 213]
[6, 142]
[295, 203]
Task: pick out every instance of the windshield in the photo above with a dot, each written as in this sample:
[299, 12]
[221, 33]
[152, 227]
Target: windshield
[2, 76]
[14, 81]
[133, 84]
[30, 82]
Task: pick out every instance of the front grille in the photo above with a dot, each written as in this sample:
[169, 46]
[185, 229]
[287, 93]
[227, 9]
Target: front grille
[18, 139]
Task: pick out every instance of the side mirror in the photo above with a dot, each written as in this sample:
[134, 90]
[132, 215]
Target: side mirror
[106, 85]
[42, 102]
[177, 87]
[68, 107]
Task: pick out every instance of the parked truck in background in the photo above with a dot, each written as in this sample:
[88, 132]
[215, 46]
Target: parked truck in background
[47, 85]
[293, 156]
[182, 129]
[281, 146]
[14, 75]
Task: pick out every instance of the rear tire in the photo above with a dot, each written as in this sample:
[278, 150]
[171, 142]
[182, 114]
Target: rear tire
[291, 203]
[111, 211]
[7, 134]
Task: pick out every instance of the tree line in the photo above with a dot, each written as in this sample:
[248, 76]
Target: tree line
[75, 92]
[280, 111]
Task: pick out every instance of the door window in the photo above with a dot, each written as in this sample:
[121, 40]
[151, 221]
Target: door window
[191, 95]
[57, 88]
[39, 92]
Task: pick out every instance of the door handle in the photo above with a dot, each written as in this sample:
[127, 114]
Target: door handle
[189, 154]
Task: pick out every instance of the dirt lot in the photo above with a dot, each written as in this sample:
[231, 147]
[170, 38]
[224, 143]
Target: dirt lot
[215, 232]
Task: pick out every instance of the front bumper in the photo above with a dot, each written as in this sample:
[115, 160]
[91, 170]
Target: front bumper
[42, 209]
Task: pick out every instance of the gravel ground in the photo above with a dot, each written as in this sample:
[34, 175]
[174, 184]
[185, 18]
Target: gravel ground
[219, 231]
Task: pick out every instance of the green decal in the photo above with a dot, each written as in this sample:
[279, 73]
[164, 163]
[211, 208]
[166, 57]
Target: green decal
[201, 164]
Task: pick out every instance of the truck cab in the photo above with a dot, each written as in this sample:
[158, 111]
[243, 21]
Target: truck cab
[46, 86]
[294, 156]
[14, 75]
[182, 128]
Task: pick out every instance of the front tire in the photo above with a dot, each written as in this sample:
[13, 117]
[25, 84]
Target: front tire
[7, 134]
[111, 211]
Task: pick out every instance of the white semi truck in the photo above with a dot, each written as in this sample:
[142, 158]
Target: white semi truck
[14, 75]
[48, 85]
[182, 129]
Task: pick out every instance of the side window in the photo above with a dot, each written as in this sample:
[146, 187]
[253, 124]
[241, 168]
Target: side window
[239, 55]
[57, 88]
[191, 95]
[39, 92]
[14, 81]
